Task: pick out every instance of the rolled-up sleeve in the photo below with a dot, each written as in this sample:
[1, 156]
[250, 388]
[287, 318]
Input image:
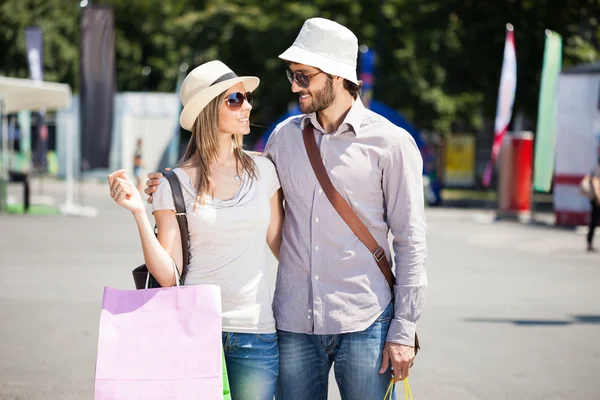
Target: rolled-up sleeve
[162, 199]
[405, 213]
[271, 148]
[273, 184]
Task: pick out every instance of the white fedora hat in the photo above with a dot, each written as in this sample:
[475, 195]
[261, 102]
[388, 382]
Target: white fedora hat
[203, 84]
[326, 45]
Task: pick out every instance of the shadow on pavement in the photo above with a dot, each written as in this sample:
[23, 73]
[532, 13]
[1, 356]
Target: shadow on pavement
[576, 319]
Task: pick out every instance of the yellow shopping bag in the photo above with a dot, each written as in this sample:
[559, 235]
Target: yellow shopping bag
[390, 390]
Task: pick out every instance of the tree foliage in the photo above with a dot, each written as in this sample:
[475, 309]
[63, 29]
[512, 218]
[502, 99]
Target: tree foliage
[438, 61]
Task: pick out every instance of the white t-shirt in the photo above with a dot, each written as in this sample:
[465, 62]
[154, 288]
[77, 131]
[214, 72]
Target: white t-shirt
[228, 245]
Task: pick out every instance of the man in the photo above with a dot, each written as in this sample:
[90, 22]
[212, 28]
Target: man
[332, 302]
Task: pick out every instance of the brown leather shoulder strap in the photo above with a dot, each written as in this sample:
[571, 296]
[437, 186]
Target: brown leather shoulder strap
[179, 203]
[342, 206]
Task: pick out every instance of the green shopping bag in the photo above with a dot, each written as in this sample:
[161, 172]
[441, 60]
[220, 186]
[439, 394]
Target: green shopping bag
[226, 392]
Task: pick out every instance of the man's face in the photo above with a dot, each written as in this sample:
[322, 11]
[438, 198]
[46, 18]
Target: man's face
[319, 95]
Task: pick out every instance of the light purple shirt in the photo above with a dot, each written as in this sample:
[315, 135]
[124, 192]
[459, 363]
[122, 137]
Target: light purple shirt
[328, 282]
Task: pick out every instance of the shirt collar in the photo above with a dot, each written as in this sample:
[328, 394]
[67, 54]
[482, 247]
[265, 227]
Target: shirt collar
[353, 118]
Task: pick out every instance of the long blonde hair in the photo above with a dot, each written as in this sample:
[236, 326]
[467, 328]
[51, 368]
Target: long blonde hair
[203, 148]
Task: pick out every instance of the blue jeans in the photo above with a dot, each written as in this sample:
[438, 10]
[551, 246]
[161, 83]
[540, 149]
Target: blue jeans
[252, 364]
[305, 361]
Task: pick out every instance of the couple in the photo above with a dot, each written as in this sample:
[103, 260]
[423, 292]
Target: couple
[332, 302]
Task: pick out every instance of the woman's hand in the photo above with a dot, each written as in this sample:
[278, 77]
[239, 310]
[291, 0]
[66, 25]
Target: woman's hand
[124, 192]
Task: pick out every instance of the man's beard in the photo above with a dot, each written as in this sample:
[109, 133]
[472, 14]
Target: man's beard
[320, 100]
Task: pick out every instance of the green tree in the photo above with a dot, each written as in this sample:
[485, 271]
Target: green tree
[58, 22]
[438, 62]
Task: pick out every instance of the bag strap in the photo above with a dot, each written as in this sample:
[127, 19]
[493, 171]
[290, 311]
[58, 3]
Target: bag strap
[180, 214]
[343, 208]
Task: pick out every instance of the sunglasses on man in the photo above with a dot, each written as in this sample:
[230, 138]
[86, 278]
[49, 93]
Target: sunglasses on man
[301, 80]
[235, 100]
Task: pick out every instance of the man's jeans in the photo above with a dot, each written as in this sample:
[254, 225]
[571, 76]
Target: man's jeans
[252, 365]
[305, 361]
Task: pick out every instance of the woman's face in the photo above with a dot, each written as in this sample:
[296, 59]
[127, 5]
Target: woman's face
[234, 118]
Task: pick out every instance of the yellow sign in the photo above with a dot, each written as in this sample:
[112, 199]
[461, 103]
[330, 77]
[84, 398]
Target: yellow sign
[460, 161]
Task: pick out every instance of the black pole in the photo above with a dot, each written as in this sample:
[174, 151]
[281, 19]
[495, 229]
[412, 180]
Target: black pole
[82, 4]
[80, 198]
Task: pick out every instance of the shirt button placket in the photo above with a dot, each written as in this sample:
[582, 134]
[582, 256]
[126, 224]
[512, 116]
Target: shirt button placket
[313, 313]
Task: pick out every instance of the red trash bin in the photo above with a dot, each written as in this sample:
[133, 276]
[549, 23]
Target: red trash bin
[522, 152]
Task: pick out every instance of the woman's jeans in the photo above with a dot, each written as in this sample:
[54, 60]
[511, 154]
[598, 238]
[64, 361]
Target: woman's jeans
[252, 364]
[307, 359]
[595, 215]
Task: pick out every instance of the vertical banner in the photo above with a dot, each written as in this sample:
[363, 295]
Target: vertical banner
[506, 98]
[35, 45]
[34, 42]
[596, 125]
[545, 142]
[173, 150]
[97, 66]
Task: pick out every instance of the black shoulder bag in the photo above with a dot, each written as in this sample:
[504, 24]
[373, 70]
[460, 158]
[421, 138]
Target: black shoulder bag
[141, 276]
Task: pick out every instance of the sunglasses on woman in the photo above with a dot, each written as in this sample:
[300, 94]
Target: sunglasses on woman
[301, 80]
[235, 100]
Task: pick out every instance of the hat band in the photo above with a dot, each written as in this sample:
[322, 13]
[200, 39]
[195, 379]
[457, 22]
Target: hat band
[229, 75]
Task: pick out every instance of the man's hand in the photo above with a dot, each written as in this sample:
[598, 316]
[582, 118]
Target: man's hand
[152, 182]
[401, 357]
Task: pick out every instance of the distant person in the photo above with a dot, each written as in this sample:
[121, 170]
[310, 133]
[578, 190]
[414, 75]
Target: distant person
[138, 165]
[234, 209]
[594, 179]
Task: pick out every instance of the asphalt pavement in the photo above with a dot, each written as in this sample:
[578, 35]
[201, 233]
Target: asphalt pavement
[512, 312]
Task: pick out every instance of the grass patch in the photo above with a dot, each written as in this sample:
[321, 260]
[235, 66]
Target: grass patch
[466, 194]
[480, 195]
[33, 209]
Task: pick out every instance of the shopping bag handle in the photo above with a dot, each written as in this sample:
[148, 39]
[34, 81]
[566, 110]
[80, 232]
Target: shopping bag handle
[390, 390]
[176, 274]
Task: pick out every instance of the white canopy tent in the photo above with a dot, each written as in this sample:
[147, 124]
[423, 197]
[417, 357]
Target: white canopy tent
[577, 141]
[22, 95]
[26, 94]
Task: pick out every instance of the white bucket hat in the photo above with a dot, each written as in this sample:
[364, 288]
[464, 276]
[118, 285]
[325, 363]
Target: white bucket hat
[326, 45]
[203, 84]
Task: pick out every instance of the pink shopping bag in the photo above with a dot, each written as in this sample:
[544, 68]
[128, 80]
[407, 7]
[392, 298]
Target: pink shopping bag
[162, 343]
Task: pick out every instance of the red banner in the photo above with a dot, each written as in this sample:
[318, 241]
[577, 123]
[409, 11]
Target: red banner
[506, 99]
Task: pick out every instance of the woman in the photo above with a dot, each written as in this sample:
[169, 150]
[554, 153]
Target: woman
[234, 209]
[594, 179]
[138, 164]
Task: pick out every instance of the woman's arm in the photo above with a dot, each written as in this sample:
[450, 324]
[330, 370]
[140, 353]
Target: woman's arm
[160, 253]
[157, 252]
[274, 231]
